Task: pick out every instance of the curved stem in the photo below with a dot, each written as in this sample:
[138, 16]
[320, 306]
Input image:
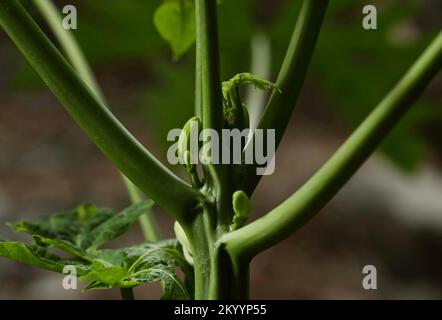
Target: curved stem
[76, 57]
[112, 138]
[70, 46]
[317, 192]
[290, 79]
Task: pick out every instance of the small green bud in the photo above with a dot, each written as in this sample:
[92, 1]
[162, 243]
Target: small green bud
[241, 208]
[182, 239]
[185, 136]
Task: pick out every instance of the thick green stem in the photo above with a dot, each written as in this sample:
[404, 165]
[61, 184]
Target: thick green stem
[211, 99]
[127, 294]
[290, 80]
[208, 56]
[198, 75]
[217, 275]
[317, 192]
[76, 57]
[113, 139]
[200, 235]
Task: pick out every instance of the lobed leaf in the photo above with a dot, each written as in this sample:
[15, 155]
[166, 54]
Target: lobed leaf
[84, 228]
[116, 225]
[80, 233]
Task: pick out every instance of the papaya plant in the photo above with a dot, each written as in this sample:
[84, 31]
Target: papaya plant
[215, 244]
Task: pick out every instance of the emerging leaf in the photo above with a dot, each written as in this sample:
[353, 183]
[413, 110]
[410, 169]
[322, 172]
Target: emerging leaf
[236, 114]
[248, 79]
[175, 21]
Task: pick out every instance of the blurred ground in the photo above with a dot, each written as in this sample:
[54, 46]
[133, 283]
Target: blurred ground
[384, 217]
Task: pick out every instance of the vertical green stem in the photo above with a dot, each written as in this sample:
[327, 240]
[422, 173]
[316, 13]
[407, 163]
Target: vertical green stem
[211, 99]
[127, 293]
[208, 56]
[198, 75]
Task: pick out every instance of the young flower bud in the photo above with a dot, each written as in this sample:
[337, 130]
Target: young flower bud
[182, 239]
[191, 130]
[241, 208]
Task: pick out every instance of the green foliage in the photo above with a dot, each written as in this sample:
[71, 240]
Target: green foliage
[175, 21]
[32, 255]
[85, 228]
[81, 232]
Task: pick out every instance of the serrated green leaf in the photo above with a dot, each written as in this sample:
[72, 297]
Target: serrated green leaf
[72, 226]
[175, 21]
[116, 225]
[84, 228]
[63, 245]
[105, 273]
[82, 231]
[30, 255]
[173, 287]
[158, 264]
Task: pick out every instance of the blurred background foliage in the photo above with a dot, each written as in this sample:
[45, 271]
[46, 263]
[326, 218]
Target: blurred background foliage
[355, 68]
[47, 164]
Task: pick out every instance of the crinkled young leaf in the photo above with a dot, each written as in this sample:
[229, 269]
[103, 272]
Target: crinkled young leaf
[158, 263]
[71, 226]
[105, 273]
[175, 21]
[116, 225]
[35, 256]
[236, 114]
[82, 231]
[148, 262]
[84, 228]
[173, 287]
[63, 245]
